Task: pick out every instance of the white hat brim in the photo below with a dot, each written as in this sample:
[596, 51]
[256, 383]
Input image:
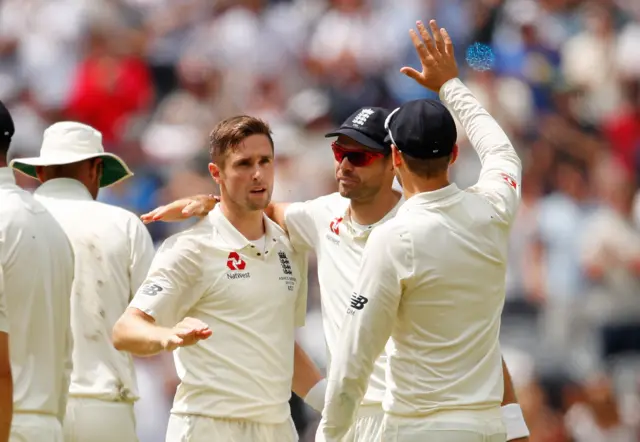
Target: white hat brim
[115, 169]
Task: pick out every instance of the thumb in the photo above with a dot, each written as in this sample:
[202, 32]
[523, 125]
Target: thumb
[174, 342]
[411, 73]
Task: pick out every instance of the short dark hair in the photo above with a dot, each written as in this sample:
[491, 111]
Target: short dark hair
[229, 133]
[427, 168]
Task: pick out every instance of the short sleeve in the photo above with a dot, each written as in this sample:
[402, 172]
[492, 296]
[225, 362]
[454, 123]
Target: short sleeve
[301, 225]
[173, 284]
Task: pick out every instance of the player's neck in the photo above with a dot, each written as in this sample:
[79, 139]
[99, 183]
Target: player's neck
[250, 223]
[415, 185]
[372, 211]
[3, 161]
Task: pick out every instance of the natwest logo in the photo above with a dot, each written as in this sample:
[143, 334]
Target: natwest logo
[335, 225]
[234, 262]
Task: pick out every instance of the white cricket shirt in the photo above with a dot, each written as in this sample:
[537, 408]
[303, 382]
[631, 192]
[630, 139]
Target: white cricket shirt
[36, 274]
[252, 301]
[113, 251]
[434, 279]
[324, 226]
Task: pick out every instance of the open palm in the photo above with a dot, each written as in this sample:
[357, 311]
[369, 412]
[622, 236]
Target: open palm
[436, 56]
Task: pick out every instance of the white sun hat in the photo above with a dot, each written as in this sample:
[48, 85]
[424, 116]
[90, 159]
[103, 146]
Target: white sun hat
[69, 142]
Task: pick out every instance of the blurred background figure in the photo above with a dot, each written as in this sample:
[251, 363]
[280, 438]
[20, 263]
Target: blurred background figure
[561, 76]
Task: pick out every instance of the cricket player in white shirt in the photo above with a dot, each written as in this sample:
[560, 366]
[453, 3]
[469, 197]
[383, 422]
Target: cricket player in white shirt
[433, 277]
[228, 294]
[113, 251]
[337, 227]
[36, 275]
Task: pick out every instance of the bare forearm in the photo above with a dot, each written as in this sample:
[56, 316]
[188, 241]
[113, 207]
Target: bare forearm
[6, 405]
[305, 372]
[509, 396]
[139, 337]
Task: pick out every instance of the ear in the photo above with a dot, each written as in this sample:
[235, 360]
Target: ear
[98, 167]
[214, 171]
[454, 154]
[40, 173]
[396, 157]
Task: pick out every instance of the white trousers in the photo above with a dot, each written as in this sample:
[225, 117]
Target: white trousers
[95, 420]
[368, 425]
[189, 428]
[27, 427]
[452, 428]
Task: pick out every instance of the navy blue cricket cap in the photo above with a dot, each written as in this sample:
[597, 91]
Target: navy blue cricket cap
[422, 129]
[366, 126]
[6, 123]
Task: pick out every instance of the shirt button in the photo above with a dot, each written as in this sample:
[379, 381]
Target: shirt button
[258, 254]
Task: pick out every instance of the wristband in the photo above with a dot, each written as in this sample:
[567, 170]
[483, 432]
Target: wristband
[315, 396]
[514, 422]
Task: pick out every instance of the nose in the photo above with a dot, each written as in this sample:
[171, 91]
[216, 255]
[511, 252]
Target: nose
[346, 164]
[257, 173]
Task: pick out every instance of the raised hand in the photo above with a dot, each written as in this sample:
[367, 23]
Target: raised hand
[179, 210]
[187, 332]
[436, 56]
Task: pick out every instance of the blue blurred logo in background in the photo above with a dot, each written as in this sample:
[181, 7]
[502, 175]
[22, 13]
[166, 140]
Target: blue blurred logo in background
[480, 57]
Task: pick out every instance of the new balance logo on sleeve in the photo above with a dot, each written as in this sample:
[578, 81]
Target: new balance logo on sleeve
[150, 289]
[357, 303]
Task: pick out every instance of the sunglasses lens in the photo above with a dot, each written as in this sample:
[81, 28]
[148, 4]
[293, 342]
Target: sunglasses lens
[358, 159]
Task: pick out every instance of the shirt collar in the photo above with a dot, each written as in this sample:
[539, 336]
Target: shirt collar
[6, 176]
[66, 188]
[433, 197]
[236, 240]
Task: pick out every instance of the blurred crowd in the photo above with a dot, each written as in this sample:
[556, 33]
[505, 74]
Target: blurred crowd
[561, 76]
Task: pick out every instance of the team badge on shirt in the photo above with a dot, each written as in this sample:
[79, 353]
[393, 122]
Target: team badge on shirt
[288, 279]
[284, 262]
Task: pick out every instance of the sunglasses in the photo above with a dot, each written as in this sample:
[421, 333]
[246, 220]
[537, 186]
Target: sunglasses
[359, 158]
